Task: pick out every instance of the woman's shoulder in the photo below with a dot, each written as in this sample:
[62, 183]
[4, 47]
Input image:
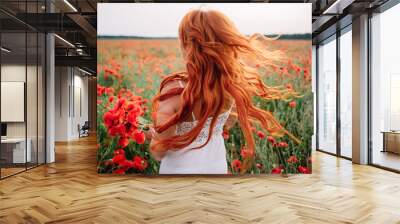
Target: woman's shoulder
[174, 80]
[172, 85]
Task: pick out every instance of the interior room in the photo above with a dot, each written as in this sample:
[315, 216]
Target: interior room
[49, 101]
[23, 100]
[25, 69]
[71, 112]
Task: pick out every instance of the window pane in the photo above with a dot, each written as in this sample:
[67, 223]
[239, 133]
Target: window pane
[314, 88]
[31, 97]
[41, 98]
[346, 94]
[327, 96]
[14, 150]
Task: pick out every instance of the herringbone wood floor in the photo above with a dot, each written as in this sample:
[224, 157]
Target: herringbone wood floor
[70, 191]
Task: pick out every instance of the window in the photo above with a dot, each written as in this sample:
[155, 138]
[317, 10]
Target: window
[314, 89]
[385, 89]
[346, 93]
[327, 96]
[22, 76]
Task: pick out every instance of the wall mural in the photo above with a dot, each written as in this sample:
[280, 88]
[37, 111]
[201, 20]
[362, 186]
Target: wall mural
[204, 88]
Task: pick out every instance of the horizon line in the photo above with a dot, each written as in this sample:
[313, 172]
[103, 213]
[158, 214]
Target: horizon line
[174, 37]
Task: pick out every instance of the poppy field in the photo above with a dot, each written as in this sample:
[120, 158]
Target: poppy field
[129, 74]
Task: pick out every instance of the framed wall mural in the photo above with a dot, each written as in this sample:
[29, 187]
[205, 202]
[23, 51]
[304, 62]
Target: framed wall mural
[216, 88]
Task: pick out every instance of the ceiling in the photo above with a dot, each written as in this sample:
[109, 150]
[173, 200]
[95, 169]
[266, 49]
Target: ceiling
[75, 21]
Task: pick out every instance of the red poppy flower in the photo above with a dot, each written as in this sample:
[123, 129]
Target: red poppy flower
[271, 139]
[100, 90]
[292, 159]
[225, 134]
[119, 152]
[261, 134]
[236, 164]
[276, 170]
[110, 118]
[123, 142]
[122, 120]
[120, 171]
[118, 158]
[116, 130]
[244, 152]
[283, 145]
[121, 102]
[132, 117]
[111, 99]
[259, 166]
[292, 104]
[303, 169]
[109, 91]
[139, 137]
[114, 71]
[139, 163]
[127, 164]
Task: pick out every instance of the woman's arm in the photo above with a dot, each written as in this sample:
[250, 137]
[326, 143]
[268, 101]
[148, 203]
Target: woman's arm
[166, 109]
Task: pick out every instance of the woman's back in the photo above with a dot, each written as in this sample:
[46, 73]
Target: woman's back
[210, 159]
[212, 156]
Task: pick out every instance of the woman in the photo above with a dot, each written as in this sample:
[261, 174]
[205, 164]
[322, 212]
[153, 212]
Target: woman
[217, 88]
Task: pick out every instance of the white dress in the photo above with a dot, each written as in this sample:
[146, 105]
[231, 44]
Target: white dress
[210, 159]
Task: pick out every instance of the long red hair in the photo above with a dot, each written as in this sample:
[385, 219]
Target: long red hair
[221, 68]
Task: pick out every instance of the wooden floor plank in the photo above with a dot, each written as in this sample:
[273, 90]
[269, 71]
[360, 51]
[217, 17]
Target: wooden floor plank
[70, 191]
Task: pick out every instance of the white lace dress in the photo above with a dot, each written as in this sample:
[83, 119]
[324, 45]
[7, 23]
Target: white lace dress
[210, 159]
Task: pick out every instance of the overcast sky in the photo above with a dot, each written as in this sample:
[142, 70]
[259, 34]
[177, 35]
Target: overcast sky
[162, 19]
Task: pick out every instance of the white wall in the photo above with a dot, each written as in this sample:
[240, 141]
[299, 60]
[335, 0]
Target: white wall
[81, 89]
[70, 83]
[33, 127]
[62, 82]
[13, 73]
